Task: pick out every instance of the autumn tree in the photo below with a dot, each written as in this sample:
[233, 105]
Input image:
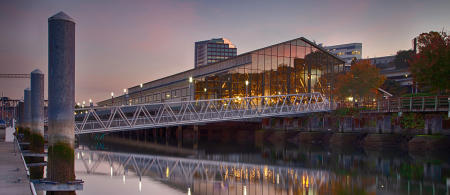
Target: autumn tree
[430, 67]
[402, 58]
[361, 81]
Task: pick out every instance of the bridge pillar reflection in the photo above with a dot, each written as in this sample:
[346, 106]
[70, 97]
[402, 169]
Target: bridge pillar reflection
[167, 135]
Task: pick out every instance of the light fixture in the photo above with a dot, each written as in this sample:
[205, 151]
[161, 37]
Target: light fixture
[112, 94]
[125, 90]
[90, 100]
[204, 89]
[191, 79]
[141, 85]
[246, 83]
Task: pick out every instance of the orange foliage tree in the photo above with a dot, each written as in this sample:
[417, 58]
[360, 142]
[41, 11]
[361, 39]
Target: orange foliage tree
[360, 82]
[431, 66]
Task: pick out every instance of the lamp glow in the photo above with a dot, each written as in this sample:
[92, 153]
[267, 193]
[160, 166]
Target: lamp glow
[141, 85]
[112, 94]
[191, 79]
[246, 83]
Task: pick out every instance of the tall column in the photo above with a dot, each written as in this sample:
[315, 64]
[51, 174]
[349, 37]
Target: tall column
[37, 122]
[27, 109]
[37, 102]
[61, 99]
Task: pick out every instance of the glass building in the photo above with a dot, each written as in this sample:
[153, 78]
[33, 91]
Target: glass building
[295, 66]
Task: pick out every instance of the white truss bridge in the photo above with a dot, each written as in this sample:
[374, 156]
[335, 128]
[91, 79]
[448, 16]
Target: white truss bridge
[154, 115]
[167, 168]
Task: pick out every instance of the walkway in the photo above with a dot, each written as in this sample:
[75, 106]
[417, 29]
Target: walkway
[13, 177]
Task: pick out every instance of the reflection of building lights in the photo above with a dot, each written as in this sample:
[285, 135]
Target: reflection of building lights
[189, 191]
[140, 185]
[111, 170]
[191, 79]
[167, 172]
[278, 178]
[246, 83]
[350, 98]
[265, 171]
[78, 155]
[123, 178]
[89, 160]
[245, 190]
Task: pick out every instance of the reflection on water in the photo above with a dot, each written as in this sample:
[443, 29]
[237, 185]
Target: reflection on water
[258, 170]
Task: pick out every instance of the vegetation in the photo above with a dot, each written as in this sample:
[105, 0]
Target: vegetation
[62, 154]
[431, 66]
[361, 81]
[402, 58]
[412, 121]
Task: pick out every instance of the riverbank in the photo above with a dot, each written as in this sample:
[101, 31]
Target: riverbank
[13, 177]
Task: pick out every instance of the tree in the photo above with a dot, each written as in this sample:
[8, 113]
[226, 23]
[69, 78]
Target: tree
[394, 88]
[361, 81]
[431, 66]
[402, 58]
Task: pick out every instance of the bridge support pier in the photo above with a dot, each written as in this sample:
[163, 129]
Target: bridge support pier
[384, 124]
[61, 98]
[154, 135]
[180, 136]
[37, 122]
[433, 124]
[195, 138]
[167, 135]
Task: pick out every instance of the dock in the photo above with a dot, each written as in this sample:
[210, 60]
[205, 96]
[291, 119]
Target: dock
[13, 176]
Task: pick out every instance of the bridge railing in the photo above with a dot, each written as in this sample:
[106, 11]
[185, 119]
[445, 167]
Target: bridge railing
[97, 119]
[411, 104]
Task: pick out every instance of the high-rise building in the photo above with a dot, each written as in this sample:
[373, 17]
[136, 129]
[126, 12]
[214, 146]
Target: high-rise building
[214, 50]
[347, 52]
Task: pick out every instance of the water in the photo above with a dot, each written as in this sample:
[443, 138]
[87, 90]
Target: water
[121, 166]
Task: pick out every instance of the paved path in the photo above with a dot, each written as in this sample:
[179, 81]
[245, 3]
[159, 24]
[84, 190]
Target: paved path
[13, 177]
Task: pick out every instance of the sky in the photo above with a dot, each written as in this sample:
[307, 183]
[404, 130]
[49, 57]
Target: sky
[122, 43]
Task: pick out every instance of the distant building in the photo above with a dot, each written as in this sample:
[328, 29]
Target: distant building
[389, 69]
[347, 52]
[212, 51]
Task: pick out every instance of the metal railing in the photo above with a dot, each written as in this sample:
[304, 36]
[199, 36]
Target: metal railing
[166, 168]
[132, 117]
[411, 104]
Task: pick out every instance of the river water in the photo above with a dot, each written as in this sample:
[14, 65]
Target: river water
[254, 167]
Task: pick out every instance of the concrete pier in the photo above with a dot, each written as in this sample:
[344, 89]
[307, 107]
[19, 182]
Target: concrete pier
[37, 102]
[26, 122]
[61, 98]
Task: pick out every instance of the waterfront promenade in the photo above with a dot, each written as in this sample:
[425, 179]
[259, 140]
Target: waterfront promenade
[13, 177]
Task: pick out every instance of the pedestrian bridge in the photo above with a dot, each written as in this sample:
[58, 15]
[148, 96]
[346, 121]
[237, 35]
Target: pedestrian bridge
[166, 114]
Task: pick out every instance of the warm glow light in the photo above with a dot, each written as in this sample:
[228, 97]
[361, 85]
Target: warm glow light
[191, 79]
[350, 98]
[245, 190]
[125, 90]
[111, 170]
[189, 191]
[278, 178]
[204, 89]
[78, 155]
[246, 83]
[78, 103]
[112, 94]
[140, 185]
[123, 179]
[90, 100]
[406, 75]
[167, 171]
[84, 102]
[141, 85]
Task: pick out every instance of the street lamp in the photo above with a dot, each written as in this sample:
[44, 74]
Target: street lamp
[112, 98]
[84, 102]
[125, 95]
[90, 103]
[190, 91]
[206, 95]
[140, 92]
[246, 88]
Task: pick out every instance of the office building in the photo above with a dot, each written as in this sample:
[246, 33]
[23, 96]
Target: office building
[212, 51]
[347, 52]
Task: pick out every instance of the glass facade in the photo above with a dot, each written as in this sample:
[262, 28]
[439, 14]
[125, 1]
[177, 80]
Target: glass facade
[291, 67]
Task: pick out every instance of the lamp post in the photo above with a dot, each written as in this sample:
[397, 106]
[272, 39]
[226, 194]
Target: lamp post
[112, 98]
[206, 94]
[190, 91]
[246, 88]
[84, 102]
[90, 103]
[125, 96]
[140, 92]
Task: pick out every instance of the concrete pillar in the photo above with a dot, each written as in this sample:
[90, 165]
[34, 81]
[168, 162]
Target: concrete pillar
[154, 135]
[195, 138]
[37, 102]
[167, 135]
[37, 122]
[384, 124]
[61, 97]
[180, 136]
[27, 108]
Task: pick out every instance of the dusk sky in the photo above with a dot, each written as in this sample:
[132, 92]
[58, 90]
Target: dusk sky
[124, 43]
